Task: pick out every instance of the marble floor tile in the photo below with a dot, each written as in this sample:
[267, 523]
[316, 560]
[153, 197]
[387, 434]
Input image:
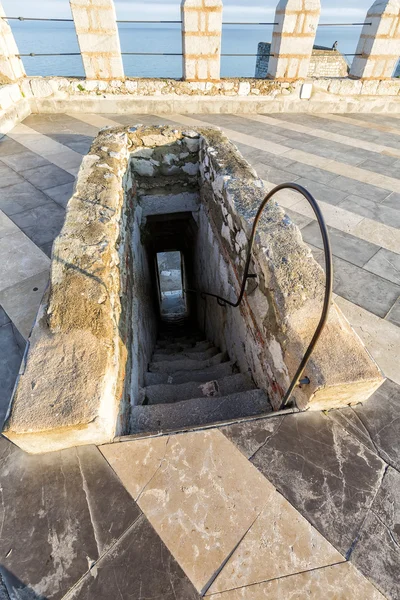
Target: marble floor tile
[391, 170]
[326, 193]
[60, 512]
[198, 501]
[339, 582]
[9, 146]
[7, 227]
[376, 553]
[326, 474]
[61, 193]
[136, 462]
[22, 300]
[343, 245]
[375, 294]
[373, 210]
[279, 543]
[47, 248]
[312, 173]
[379, 416]
[255, 156]
[24, 160]
[21, 196]
[139, 566]
[394, 314]
[386, 264]
[249, 436]
[41, 224]
[273, 174]
[21, 259]
[393, 201]
[10, 361]
[4, 318]
[8, 176]
[363, 190]
[47, 176]
[381, 338]
[379, 234]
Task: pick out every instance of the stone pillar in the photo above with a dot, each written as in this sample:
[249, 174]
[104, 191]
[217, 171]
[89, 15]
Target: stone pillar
[379, 43]
[201, 39]
[97, 32]
[11, 67]
[293, 38]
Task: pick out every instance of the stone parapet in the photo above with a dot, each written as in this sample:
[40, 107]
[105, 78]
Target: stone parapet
[201, 39]
[98, 38]
[378, 48]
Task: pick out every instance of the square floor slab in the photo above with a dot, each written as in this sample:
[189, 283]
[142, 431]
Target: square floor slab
[21, 259]
[60, 512]
[386, 264]
[328, 475]
[279, 543]
[61, 193]
[10, 361]
[22, 301]
[41, 224]
[24, 160]
[47, 177]
[140, 566]
[394, 314]
[196, 497]
[21, 196]
[7, 227]
[377, 551]
[339, 582]
[8, 176]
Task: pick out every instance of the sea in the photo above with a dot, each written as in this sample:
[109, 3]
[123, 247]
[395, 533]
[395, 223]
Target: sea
[59, 37]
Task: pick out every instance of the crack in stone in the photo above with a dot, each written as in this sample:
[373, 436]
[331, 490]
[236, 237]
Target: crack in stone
[88, 502]
[155, 472]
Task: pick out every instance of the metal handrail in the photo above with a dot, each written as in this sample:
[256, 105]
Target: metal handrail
[328, 283]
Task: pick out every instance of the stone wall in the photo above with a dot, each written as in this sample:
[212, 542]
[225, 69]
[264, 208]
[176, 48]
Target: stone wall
[324, 62]
[269, 332]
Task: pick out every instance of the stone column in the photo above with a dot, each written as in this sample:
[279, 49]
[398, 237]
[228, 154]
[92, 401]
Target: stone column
[379, 43]
[11, 67]
[97, 32]
[293, 38]
[201, 39]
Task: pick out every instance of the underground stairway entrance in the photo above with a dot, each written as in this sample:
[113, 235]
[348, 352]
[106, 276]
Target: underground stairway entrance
[181, 296]
[190, 381]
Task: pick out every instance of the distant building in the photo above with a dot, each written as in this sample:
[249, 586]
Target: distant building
[325, 62]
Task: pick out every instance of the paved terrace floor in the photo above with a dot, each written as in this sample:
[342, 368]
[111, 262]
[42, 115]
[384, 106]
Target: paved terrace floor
[301, 506]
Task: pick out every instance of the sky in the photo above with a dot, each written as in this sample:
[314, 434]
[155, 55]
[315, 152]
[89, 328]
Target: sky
[234, 10]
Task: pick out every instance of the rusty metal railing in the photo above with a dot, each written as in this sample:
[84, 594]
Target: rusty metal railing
[328, 275]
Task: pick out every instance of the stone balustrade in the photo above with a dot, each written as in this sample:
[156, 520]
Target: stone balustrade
[296, 22]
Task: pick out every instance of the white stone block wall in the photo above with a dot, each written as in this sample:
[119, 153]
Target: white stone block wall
[97, 31]
[378, 48]
[11, 67]
[293, 38]
[201, 39]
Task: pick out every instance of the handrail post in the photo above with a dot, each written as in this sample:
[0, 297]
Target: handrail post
[201, 39]
[97, 32]
[11, 66]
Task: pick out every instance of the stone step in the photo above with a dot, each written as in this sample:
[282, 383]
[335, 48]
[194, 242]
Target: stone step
[204, 375]
[173, 348]
[185, 339]
[206, 354]
[186, 364]
[166, 393]
[198, 411]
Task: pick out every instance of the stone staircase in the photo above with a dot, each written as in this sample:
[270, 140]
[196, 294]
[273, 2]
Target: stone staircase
[191, 383]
